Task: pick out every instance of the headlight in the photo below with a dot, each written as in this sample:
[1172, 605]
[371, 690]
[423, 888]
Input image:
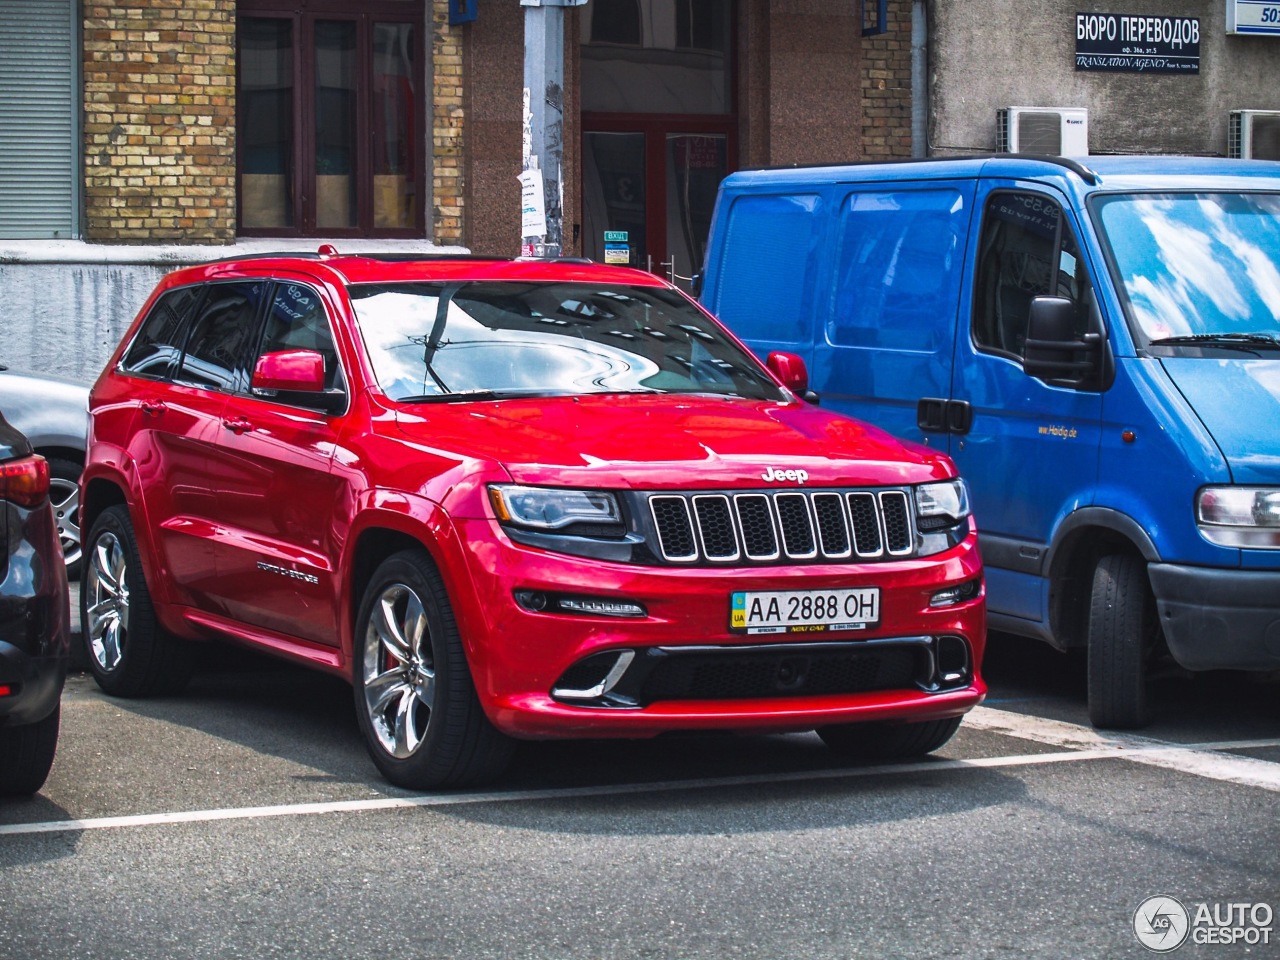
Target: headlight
[942, 512]
[947, 501]
[553, 509]
[1246, 517]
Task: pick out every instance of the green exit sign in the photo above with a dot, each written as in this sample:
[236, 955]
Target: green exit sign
[615, 236]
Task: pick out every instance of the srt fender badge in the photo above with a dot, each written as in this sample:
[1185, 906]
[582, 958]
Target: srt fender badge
[777, 476]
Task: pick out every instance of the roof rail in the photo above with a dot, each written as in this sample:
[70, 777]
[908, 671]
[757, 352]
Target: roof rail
[1075, 166]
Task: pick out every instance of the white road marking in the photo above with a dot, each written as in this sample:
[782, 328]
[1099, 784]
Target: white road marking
[1201, 759]
[1082, 743]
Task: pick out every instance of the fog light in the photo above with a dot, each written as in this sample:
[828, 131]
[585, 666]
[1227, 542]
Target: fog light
[961, 593]
[534, 600]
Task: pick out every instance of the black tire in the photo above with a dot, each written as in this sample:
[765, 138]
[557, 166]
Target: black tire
[889, 740]
[1124, 634]
[128, 652]
[26, 755]
[415, 699]
[64, 494]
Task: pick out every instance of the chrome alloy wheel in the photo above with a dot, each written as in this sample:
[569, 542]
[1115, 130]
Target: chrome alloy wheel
[399, 671]
[107, 600]
[65, 497]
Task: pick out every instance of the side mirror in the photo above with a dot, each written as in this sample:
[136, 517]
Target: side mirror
[295, 377]
[1053, 351]
[296, 370]
[790, 369]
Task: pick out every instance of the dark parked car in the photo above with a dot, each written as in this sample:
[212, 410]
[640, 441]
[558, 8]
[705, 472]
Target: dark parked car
[52, 413]
[34, 618]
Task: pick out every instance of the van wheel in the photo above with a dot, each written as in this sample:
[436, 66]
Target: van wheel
[26, 754]
[128, 652]
[1123, 635]
[415, 699]
[890, 740]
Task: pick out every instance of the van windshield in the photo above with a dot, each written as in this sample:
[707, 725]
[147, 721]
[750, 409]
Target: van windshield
[1197, 265]
[493, 340]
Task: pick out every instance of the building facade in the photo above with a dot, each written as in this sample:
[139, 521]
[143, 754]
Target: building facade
[137, 134]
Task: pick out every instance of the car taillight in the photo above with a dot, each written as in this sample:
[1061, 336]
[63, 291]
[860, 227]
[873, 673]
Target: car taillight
[26, 481]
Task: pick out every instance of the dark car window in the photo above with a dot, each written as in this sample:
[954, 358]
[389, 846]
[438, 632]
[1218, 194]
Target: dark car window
[1028, 250]
[296, 320]
[159, 341]
[220, 334]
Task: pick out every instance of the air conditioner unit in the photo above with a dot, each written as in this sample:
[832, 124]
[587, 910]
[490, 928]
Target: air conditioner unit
[1253, 134]
[1058, 131]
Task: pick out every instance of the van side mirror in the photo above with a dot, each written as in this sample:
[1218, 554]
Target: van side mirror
[790, 369]
[1054, 352]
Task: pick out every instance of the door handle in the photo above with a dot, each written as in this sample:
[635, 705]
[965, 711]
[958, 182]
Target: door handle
[931, 415]
[940, 415]
[153, 408]
[238, 425]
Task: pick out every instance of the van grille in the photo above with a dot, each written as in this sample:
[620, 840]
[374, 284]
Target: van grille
[758, 527]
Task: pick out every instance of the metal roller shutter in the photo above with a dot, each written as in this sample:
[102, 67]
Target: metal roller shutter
[39, 119]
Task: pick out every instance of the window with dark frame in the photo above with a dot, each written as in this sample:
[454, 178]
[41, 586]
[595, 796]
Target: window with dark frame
[331, 118]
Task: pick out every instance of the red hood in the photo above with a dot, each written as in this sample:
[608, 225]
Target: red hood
[666, 441]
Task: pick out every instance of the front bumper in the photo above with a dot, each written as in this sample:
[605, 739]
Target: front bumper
[1219, 619]
[543, 675]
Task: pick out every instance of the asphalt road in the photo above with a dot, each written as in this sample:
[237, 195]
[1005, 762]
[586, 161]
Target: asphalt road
[244, 819]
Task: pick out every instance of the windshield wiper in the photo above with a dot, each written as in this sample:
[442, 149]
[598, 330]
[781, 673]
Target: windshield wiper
[466, 396]
[1249, 342]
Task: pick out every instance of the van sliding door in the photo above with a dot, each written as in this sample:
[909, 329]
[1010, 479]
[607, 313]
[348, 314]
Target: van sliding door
[890, 316]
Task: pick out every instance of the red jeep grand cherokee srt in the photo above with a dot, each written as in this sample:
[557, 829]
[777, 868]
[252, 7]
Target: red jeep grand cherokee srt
[516, 499]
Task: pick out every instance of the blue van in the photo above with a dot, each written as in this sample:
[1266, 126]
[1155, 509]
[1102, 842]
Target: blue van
[1098, 348]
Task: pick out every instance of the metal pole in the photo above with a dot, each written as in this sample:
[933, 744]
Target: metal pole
[542, 210]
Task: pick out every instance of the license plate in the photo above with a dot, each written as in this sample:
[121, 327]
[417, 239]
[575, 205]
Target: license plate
[804, 611]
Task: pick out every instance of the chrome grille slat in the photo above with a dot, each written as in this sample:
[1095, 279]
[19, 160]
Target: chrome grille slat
[758, 526]
[763, 526]
[715, 527]
[796, 521]
[675, 528]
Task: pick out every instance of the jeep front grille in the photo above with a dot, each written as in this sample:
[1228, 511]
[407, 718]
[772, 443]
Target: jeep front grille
[759, 527]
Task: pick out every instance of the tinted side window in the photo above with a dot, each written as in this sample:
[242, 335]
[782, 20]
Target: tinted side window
[156, 347]
[223, 328]
[296, 320]
[771, 267]
[898, 269]
[1028, 250]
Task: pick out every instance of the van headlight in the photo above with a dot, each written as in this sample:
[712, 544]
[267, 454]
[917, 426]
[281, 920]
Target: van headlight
[1246, 517]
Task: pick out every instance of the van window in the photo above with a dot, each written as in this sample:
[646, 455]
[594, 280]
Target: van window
[1028, 250]
[764, 287]
[899, 269]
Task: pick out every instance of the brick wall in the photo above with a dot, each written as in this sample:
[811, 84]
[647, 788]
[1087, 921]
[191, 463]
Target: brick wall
[886, 87]
[448, 125]
[159, 81]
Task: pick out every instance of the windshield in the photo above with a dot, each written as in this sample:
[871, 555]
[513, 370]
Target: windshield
[441, 341]
[1203, 265]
